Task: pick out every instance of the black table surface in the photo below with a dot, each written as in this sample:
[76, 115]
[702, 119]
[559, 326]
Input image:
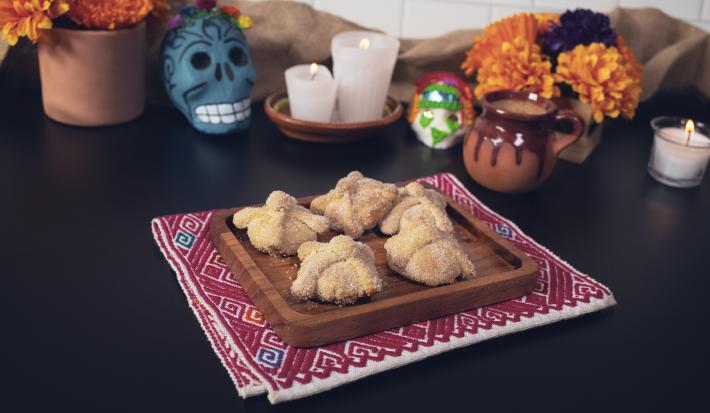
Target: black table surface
[93, 318]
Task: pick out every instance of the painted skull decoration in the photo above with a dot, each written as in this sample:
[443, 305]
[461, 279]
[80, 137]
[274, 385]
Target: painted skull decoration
[441, 109]
[207, 67]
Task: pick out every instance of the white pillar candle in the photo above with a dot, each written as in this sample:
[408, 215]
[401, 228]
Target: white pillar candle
[311, 92]
[363, 63]
[679, 157]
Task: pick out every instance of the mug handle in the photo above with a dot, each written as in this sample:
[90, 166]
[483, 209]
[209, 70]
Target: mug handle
[578, 126]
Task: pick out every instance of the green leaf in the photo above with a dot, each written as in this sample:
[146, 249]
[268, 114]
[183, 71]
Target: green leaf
[438, 135]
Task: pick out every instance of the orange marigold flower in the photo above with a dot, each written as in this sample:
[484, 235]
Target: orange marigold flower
[19, 18]
[602, 77]
[109, 14]
[519, 66]
[544, 20]
[505, 30]
[633, 66]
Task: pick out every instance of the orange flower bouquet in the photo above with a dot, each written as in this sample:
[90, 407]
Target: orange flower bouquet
[33, 18]
[576, 54]
[91, 54]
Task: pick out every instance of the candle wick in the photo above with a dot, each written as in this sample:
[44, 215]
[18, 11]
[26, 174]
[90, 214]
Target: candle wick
[689, 129]
[314, 70]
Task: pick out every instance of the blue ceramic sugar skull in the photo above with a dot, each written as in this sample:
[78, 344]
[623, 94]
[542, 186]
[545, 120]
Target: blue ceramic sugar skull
[207, 68]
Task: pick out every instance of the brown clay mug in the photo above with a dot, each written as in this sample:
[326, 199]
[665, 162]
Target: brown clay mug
[511, 146]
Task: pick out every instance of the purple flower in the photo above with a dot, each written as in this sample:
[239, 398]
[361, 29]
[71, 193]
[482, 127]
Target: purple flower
[175, 22]
[579, 26]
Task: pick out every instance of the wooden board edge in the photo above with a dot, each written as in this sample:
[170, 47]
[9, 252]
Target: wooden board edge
[273, 307]
[527, 263]
[290, 324]
[303, 333]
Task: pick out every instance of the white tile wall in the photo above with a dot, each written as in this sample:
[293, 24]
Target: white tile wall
[427, 18]
[376, 14]
[499, 11]
[597, 5]
[514, 2]
[686, 9]
[705, 25]
[706, 11]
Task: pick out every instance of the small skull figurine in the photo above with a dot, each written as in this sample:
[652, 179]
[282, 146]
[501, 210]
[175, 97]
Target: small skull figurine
[441, 109]
[207, 68]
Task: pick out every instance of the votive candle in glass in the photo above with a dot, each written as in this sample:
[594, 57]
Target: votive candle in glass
[680, 153]
[311, 92]
[363, 63]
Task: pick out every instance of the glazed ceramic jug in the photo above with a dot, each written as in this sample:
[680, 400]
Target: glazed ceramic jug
[511, 147]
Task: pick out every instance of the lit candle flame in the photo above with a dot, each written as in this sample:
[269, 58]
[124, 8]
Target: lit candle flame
[314, 70]
[689, 129]
[364, 43]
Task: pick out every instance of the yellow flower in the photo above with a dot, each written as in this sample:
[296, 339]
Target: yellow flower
[603, 78]
[109, 14]
[505, 30]
[245, 22]
[20, 18]
[517, 66]
[544, 20]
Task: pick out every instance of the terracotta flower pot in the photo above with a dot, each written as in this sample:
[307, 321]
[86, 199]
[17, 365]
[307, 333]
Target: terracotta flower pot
[93, 77]
[515, 152]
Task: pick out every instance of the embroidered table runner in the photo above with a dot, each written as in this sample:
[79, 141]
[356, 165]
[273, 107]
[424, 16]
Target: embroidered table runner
[259, 362]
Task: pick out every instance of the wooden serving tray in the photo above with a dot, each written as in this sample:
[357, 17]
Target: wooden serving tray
[505, 273]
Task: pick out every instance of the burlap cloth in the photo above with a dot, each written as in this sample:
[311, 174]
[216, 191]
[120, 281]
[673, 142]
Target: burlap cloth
[676, 54]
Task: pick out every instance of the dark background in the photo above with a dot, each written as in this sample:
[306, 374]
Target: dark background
[93, 319]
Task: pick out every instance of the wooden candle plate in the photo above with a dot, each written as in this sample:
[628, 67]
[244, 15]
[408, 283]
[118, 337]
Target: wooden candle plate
[277, 109]
[505, 273]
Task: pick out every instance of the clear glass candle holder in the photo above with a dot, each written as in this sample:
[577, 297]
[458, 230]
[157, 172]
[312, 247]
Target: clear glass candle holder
[678, 159]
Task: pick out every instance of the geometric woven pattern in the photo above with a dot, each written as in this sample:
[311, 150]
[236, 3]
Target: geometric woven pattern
[259, 362]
